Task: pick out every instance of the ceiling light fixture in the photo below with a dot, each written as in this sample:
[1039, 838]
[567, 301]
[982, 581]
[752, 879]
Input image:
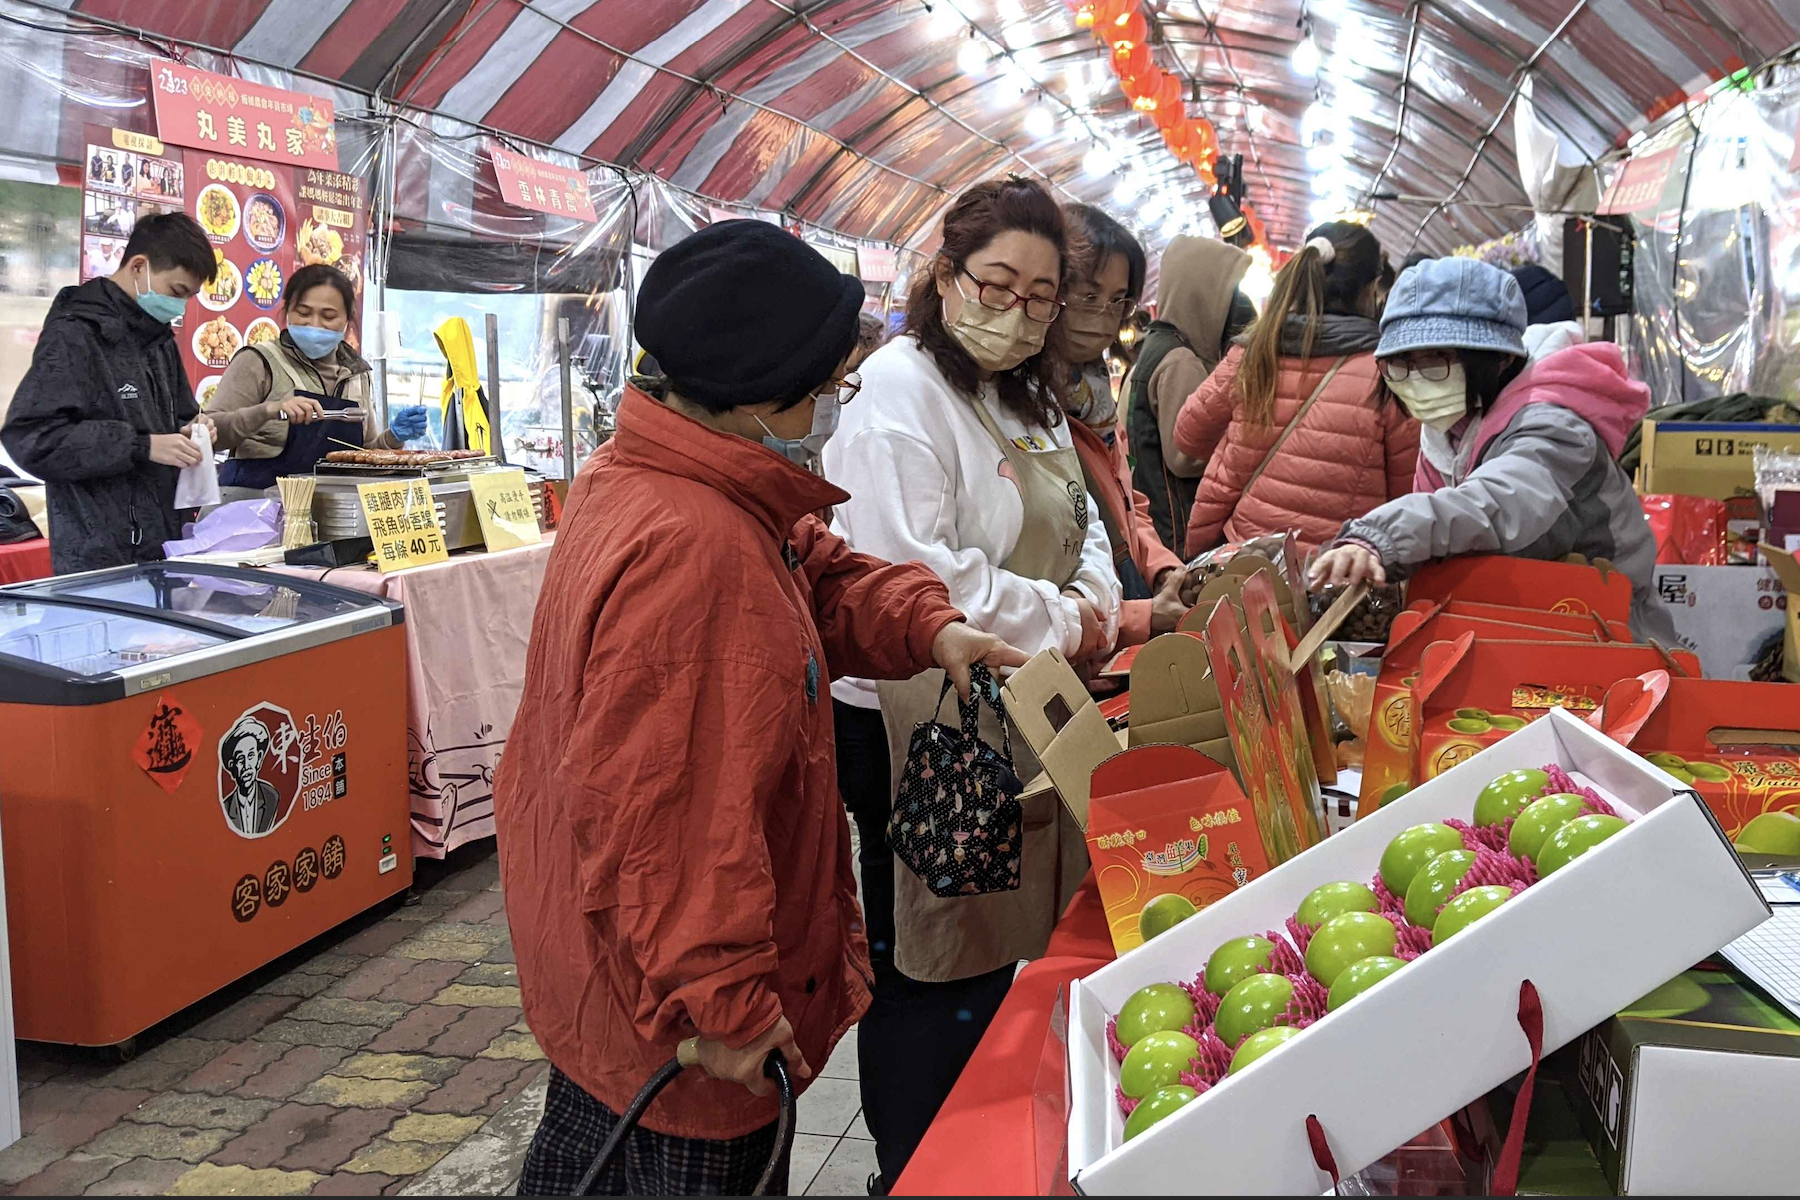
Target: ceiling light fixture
[971, 56]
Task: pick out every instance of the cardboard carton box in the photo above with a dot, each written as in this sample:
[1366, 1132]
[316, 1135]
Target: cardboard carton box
[1266, 637]
[1175, 699]
[1715, 460]
[1729, 616]
[1167, 820]
[1264, 763]
[1563, 587]
[1437, 1034]
[1690, 1091]
[1063, 726]
[1787, 569]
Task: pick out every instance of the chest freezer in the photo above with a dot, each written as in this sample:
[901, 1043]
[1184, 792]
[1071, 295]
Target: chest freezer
[201, 768]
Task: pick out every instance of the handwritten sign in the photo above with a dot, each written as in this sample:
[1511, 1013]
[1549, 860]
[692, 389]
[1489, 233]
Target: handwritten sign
[503, 502]
[403, 522]
[527, 182]
[237, 117]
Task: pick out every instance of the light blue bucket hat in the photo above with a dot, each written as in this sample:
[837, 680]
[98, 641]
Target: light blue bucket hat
[1454, 304]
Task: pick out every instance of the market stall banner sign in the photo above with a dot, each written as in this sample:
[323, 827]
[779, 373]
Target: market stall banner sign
[527, 182]
[503, 505]
[1640, 185]
[403, 523]
[877, 264]
[237, 117]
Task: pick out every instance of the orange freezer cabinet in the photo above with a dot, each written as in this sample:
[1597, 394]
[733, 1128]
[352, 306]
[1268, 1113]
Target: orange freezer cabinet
[200, 769]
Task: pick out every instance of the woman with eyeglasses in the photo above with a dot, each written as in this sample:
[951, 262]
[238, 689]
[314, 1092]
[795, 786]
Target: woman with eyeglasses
[1518, 455]
[1108, 279]
[1294, 427]
[958, 455]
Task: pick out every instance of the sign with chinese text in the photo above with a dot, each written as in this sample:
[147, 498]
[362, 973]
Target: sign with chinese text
[238, 117]
[124, 176]
[165, 750]
[403, 523]
[1640, 184]
[844, 260]
[503, 503]
[877, 264]
[527, 182]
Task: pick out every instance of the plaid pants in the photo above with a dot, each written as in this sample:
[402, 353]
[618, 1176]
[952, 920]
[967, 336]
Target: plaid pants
[576, 1125]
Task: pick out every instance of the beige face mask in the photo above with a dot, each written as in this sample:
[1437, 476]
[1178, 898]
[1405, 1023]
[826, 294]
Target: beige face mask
[997, 341]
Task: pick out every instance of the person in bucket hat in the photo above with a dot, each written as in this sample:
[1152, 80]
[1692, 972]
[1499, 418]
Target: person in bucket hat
[1516, 456]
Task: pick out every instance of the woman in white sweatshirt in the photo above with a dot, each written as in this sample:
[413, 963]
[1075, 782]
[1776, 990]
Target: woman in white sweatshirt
[958, 455]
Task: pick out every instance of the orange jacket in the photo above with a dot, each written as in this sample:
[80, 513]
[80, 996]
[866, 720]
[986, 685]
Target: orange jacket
[1109, 475]
[1348, 456]
[675, 855]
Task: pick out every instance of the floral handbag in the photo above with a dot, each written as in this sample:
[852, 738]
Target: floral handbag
[957, 821]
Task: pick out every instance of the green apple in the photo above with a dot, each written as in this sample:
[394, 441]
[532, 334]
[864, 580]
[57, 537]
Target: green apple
[1346, 939]
[1393, 792]
[1775, 833]
[1259, 1044]
[1255, 1003]
[1474, 714]
[1711, 772]
[1156, 1106]
[1157, 1008]
[1235, 960]
[1156, 1061]
[1467, 725]
[1467, 908]
[1411, 849]
[1507, 723]
[1665, 760]
[1505, 796]
[1164, 913]
[1333, 899]
[1680, 996]
[1541, 818]
[1433, 885]
[1574, 839]
[1359, 977]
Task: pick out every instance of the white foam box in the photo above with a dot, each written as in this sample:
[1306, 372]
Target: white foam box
[1635, 911]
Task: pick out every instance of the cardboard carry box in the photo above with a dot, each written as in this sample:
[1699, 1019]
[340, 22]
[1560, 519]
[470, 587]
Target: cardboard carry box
[1699, 458]
[1690, 1091]
[1471, 694]
[1265, 762]
[1444, 1030]
[1175, 699]
[1167, 821]
[1787, 569]
[1565, 622]
[1729, 616]
[1266, 637]
[1062, 724]
[1562, 587]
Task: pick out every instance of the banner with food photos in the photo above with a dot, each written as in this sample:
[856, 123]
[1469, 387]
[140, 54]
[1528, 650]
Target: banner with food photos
[265, 222]
[124, 175]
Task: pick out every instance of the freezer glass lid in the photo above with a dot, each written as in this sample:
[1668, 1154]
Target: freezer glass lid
[84, 642]
[252, 603]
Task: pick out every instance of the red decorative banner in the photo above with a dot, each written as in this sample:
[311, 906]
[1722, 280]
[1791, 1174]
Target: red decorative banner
[243, 119]
[1640, 184]
[878, 264]
[527, 182]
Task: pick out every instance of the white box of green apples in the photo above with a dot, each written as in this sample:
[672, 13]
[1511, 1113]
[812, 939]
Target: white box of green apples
[1615, 917]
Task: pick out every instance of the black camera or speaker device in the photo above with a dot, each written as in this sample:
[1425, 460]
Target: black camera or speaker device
[1597, 264]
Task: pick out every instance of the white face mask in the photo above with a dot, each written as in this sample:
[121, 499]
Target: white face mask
[804, 452]
[1439, 403]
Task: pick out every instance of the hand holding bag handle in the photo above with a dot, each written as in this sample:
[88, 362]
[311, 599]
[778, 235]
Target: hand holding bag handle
[981, 687]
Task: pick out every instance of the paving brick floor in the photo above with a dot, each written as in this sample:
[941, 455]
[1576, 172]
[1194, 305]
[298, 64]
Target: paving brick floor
[351, 1067]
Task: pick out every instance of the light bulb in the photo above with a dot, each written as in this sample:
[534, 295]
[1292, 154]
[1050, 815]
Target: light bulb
[1321, 156]
[971, 57]
[1325, 209]
[1026, 56]
[1131, 186]
[1099, 161]
[1306, 57]
[1008, 10]
[1331, 182]
[1015, 76]
[1040, 122]
[944, 20]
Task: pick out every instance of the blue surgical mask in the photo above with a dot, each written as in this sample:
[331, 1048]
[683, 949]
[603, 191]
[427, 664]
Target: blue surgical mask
[315, 341]
[804, 451]
[166, 309]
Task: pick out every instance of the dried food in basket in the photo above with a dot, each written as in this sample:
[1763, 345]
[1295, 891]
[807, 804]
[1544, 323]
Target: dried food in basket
[1369, 621]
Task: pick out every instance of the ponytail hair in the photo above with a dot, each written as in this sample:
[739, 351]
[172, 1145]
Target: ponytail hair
[1327, 275]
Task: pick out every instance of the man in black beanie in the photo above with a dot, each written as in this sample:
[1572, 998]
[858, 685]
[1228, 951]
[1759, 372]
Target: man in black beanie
[676, 860]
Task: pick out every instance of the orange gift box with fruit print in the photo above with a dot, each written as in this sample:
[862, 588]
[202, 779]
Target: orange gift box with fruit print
[1169, 832]
[1469, 693]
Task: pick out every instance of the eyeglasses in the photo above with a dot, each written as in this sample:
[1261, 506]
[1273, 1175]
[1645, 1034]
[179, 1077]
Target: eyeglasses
[1092, 305]
[1001, 298]
[846, 388]
[1435, 368]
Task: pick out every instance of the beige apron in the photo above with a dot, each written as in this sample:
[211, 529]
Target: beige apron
[938, 939]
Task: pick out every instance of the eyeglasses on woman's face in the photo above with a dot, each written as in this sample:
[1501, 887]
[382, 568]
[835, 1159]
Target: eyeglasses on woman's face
[1433, 365]
[1001, 298]
[1093, 304]
[842, 390]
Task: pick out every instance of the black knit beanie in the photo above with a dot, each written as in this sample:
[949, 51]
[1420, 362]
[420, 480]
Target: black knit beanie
[744, 312]
[1546, 297]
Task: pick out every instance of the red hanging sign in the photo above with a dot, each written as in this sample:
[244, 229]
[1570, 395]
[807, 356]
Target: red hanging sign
[527, 182]
[242, 119]
[1640, 184]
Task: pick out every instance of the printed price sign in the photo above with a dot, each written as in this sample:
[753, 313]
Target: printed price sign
[403, 522]
[503, 502]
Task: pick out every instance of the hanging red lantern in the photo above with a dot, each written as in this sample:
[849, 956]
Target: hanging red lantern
[1129, 29]
[1084, 16]
[1147, 85]
[1177, 138]
[1137, 60]
[1106, 12]
[1170, 95]
[1205, 138]
[1169, 117]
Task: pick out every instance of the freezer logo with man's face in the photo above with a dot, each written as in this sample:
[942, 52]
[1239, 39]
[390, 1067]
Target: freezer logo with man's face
[260, 765]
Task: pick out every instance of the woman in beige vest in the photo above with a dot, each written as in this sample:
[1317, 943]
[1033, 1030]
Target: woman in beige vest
[959, 457]
[282, 405]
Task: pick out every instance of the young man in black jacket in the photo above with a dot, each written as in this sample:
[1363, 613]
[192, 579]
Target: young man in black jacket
[104, 413]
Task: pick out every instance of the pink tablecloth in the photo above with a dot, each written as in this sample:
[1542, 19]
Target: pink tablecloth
[468, 621]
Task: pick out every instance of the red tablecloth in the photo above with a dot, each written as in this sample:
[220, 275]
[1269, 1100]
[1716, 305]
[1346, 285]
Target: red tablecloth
[984, 1140]
[21, 561]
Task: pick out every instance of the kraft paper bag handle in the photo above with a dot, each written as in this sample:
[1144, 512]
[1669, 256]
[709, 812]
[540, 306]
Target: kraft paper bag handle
[1046, 684]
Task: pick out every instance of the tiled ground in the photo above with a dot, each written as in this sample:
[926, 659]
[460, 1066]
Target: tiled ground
[349, 1067]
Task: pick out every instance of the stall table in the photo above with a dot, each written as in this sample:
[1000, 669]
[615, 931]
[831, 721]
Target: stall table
[21, 562]
[468, 621]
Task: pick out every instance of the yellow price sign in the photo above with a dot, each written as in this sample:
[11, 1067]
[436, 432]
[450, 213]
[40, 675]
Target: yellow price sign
[403, 522]
[503, 503]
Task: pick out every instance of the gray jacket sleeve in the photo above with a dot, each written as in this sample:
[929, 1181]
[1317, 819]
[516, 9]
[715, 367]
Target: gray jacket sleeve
[1508, 503]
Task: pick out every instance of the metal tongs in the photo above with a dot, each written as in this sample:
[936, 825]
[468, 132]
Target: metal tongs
[347, 414]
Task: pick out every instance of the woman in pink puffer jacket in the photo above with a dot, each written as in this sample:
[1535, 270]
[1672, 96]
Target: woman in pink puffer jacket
[1270, 466]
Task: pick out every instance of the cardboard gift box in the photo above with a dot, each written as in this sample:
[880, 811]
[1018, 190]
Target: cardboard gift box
[1565, 587]
[1787, 569]
[1729, 616]
[1689, 1091]
[1711, 459]
[1442, 1031]
[1470, 694]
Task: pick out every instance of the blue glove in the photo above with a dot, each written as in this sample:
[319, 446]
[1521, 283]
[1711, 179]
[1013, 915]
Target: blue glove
[409, 422]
